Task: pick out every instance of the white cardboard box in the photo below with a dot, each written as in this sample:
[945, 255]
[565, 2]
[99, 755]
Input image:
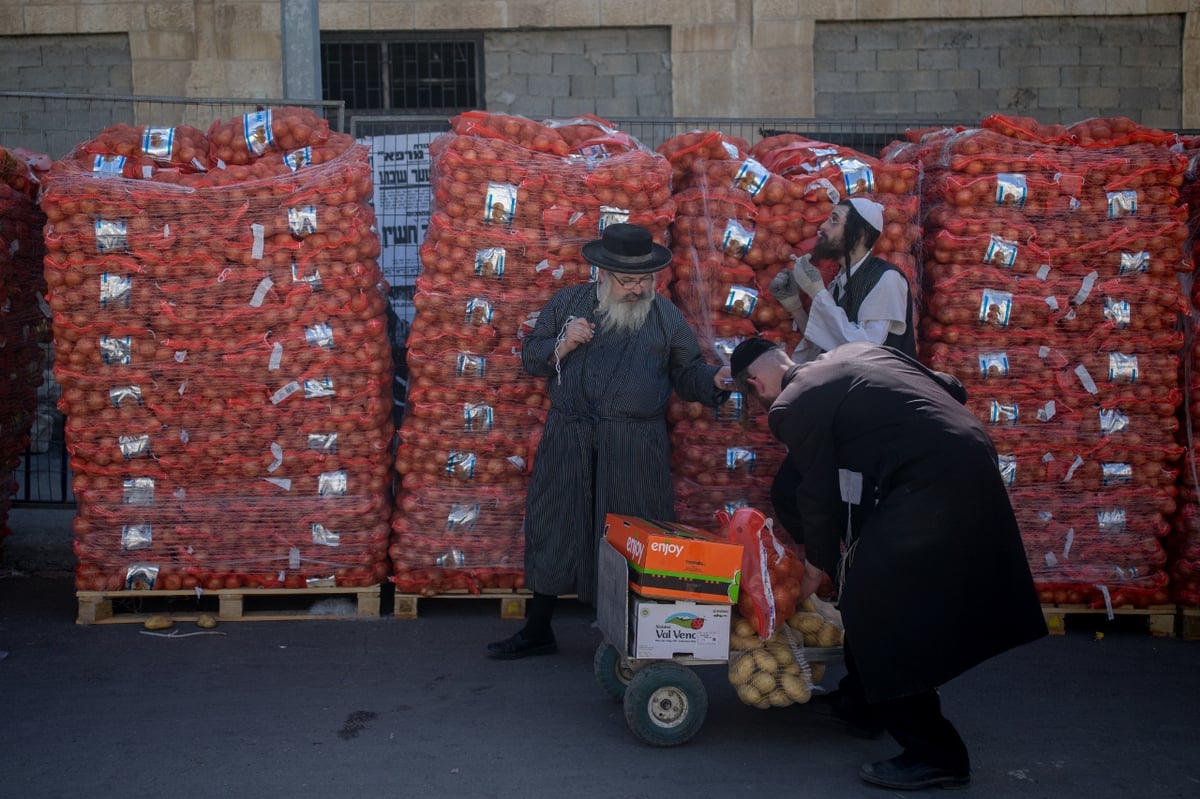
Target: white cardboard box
[668, 629]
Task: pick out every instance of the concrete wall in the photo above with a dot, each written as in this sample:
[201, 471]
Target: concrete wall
[1057, 69]
[728, 58]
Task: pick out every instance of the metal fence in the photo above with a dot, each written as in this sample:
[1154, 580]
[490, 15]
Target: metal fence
[54, 122]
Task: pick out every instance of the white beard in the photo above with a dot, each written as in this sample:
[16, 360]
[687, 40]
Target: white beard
[623, 317]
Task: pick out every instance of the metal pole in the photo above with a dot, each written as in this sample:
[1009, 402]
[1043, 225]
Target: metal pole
[300, 30]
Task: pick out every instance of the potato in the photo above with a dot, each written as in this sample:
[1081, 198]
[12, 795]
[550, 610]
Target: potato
[779, 698]
[806, 622]
[157, 622]
[749, 694]
[763, 681]
[829, 635]
[740, 670]
[818, 672]
[206, 621]
[796, 688]
[764, 661]
[743, 628]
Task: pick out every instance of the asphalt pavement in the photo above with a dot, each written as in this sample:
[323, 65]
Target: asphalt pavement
[412, 708]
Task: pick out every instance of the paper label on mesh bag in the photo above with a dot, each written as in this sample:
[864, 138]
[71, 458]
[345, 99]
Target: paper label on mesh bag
[141, 577]
[1122, 368]
[737, 239]
[323, 442]
[461, 465]
[1008, 468]
[993, 364]
[477, 416]
[751, 177]
[298, 159]
[136, 536]
[256, 130]
[1135, 262]
[117, 350]
[319, 335]
[995, 308]
[134, 446]
[1117, 311]
[332, 484]
[490, 262]
[157, 143]
[500, 204]
[1004, 413]
[311, 279]
[115, 290]
[740, 458]
[462, 517]
[1122, 204]
[316, 388]
[1116, 474]
[1011, 190]
[1000, 252]
[858, 177]
[125, 394]
[479, 311]
[611, 215]
[108, 166]
[740, 301]
[1113, 421]
[470, 365]
[138, 491]
[302, 220]
[323, 536]
[111, 236]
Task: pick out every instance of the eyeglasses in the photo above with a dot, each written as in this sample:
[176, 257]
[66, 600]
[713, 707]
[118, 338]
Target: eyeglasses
[631, 282]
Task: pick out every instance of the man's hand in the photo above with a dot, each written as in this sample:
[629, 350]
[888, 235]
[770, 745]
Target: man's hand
[579, 331]
[811, 581]
[723, 379]
[784, 289]
[807, 276]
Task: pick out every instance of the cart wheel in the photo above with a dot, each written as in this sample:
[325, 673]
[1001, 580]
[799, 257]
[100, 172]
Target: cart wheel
[665, 704]
[612, 671]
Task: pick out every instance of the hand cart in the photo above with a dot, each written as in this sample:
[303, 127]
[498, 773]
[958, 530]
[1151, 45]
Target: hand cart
[665, 702]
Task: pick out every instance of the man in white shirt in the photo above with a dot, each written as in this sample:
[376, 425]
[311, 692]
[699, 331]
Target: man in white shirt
[868, 300]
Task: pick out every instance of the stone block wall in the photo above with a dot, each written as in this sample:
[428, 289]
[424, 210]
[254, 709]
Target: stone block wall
[564, 73]
[1055, 69]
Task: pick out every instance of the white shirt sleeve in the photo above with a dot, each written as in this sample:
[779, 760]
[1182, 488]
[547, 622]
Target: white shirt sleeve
[881, 313]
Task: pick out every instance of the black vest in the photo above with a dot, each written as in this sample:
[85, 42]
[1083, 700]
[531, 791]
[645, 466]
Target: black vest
[859, 285]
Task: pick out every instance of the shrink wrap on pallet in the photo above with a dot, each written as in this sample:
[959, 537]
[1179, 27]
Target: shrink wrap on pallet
[219, 318]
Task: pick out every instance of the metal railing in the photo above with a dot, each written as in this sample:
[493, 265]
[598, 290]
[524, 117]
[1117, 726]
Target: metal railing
[55, 122]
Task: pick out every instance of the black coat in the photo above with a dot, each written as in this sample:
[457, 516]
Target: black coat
[935, 578]
[605, 448]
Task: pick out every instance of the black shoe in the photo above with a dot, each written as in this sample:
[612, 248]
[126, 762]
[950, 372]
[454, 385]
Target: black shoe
[518, 646]
[902, 773]
[853, 719]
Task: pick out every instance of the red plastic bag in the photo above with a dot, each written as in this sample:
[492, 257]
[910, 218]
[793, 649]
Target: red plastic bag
[772, 570]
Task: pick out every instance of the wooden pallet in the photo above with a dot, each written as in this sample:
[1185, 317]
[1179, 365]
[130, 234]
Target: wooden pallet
[1189, 624]
[512, 604]
[226, 604]
[1160, 619]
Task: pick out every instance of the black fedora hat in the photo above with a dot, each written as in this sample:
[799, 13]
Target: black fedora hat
[628, 249]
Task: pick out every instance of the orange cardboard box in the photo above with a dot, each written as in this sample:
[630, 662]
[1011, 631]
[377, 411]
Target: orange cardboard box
[668, 560]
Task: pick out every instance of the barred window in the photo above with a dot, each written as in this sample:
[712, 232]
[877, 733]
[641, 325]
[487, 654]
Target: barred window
[402, 73]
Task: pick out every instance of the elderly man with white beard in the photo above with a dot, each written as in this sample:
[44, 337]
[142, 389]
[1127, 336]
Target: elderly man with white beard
[612, 350]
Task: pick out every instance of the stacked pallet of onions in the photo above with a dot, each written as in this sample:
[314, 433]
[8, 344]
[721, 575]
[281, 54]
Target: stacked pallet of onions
[743, 214]
[23, 324]
[221, 339]
[514, 201]
[1051, 291]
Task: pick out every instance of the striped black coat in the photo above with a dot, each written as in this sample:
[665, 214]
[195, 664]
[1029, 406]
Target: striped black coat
[605, 447]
